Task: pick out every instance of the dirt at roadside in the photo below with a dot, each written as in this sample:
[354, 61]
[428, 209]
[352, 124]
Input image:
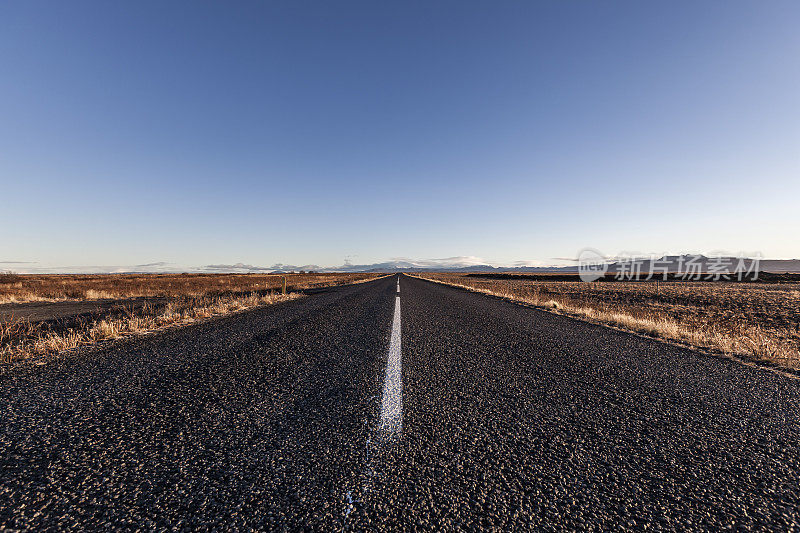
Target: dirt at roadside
[70, 309]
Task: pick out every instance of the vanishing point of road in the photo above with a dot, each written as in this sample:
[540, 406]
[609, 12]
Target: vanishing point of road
[397, 404]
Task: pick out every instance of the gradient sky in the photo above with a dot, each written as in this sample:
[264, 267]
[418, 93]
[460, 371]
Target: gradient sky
[199, 133]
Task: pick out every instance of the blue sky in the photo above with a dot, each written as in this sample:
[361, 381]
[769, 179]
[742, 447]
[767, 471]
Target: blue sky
[198, 133]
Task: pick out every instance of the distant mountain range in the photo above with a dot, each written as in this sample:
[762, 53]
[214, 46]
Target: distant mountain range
[451, 264]
[676, 263]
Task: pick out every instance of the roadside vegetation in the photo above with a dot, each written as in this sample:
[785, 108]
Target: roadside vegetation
[20, 288]
[139, 303]
[755, 320]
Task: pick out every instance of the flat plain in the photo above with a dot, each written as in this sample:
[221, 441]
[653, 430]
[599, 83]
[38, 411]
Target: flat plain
[43, 315]
[757, 320]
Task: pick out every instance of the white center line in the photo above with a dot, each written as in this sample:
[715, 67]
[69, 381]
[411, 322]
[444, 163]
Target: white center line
[391, 423]
[392, 403]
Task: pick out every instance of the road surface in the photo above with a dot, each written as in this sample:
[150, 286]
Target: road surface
[360, 408]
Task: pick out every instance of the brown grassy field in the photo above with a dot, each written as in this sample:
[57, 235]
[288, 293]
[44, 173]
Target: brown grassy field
[755, 320]
[16, 288]
[141, 303]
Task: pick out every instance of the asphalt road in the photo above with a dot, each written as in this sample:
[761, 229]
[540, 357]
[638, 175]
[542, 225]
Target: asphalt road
[512, 418]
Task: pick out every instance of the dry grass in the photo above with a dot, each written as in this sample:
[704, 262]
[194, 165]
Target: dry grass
[19, 338]
[755, 320]
[20, 288]
[180, 300]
